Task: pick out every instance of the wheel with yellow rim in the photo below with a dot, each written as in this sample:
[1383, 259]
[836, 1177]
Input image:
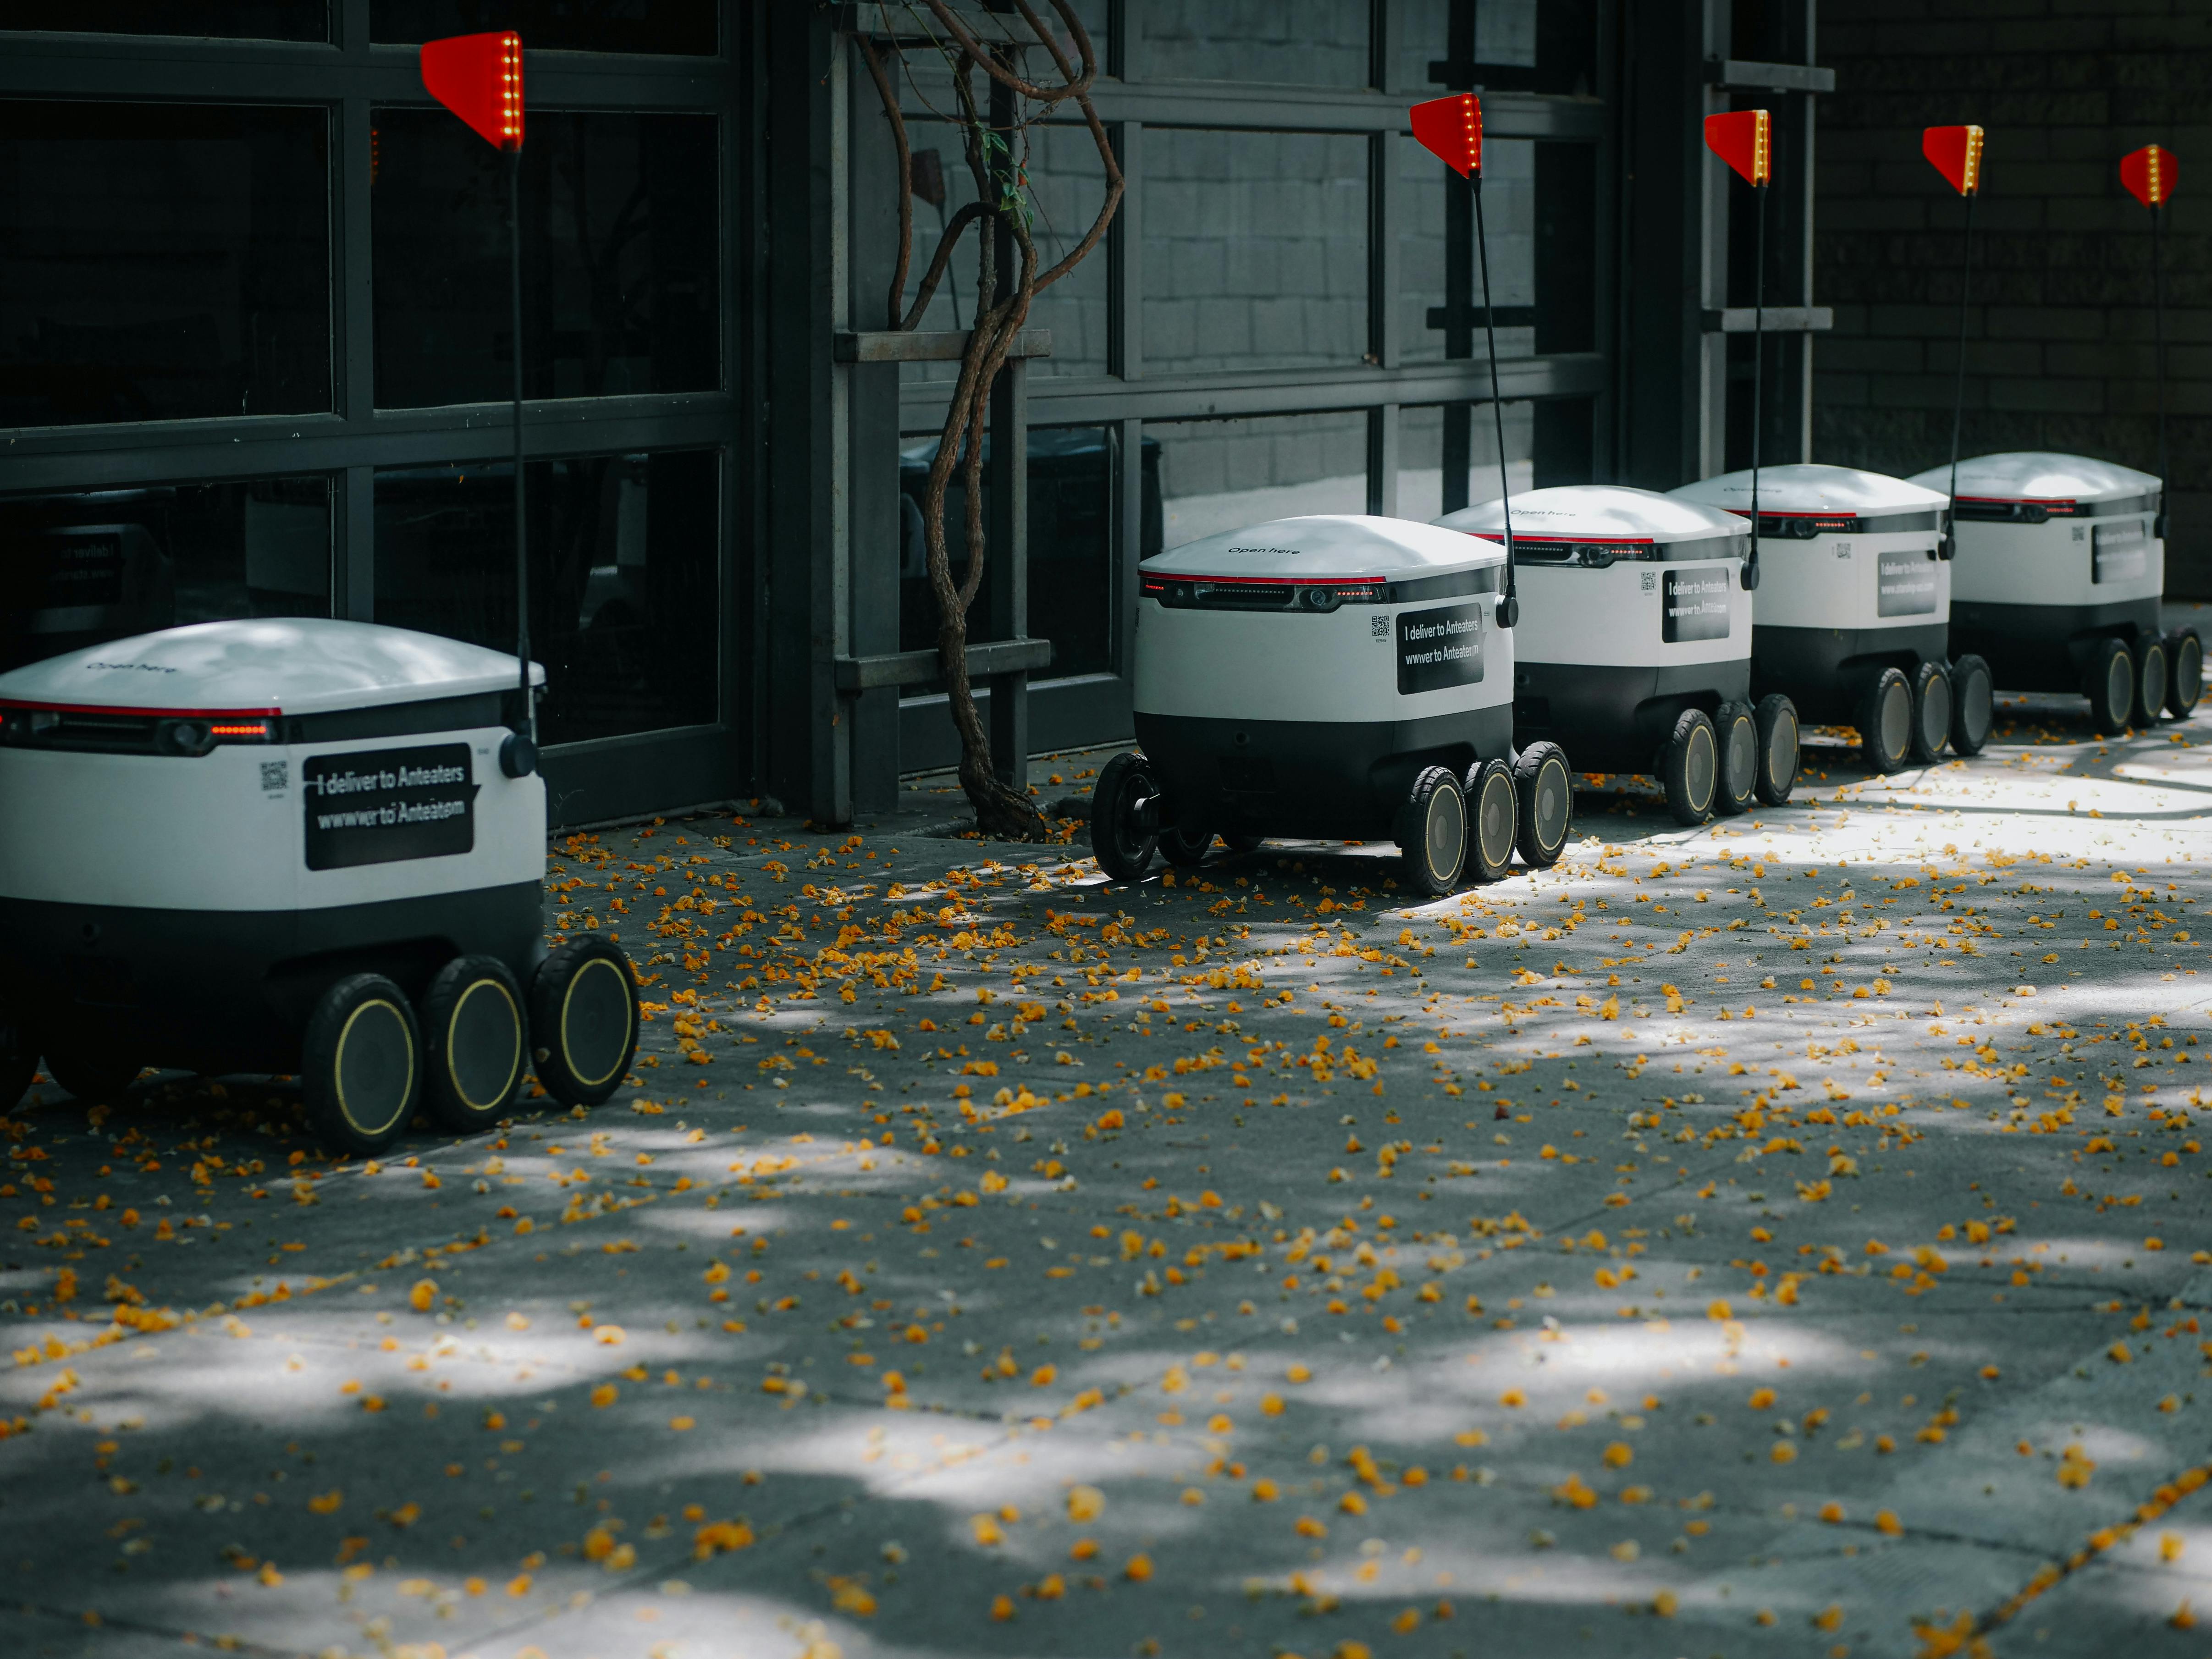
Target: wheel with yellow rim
[475, 1043]
[361, 1068]
[583, 1020]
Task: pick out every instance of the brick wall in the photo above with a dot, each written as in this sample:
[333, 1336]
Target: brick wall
[2058, 353]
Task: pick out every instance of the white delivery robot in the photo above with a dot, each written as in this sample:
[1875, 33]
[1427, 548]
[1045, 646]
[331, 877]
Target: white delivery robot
[295, 846]
[2057, 581]
[1337, 676]
[1853, 612]
[1634, 646]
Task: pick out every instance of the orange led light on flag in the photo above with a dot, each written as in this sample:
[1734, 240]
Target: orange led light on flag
[479, 78]
[1956, 153]
[2149, 174]
[1451, 128]
[1744, 140]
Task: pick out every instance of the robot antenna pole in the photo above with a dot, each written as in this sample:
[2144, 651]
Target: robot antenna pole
[1758, 365]
[529, 727]
[2158, 317]
[1509, 609]
[1958, 393]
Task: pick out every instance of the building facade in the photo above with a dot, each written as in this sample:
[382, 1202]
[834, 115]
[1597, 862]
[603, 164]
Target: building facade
[255, 349]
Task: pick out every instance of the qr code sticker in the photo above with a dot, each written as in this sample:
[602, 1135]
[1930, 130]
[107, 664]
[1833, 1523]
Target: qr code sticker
[1378, 628]
[275, 775]
[1650, 582]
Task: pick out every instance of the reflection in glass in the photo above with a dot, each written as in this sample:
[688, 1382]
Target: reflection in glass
[1071, 497]
[93, 565]
[230, 19]
[623, 589]
[1068, 183]
[648, 26]
[1305, 43]
[1255, 249]
[1427, 267]
[1518, 46]
[619, 272]
[1421, 458]
[1224, 474]
[161, 262]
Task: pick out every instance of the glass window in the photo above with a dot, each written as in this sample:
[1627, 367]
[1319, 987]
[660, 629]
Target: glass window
[162, 261]
[1538, 202]
[1068, 183]
[1306, 43]
[1255, 249]
[236, 20]
[623, 594]
[1456, 445]
[93, 565]
[620, 282]
[1519, 45]
[1222, 475]
[654, 26]
[1071, 497]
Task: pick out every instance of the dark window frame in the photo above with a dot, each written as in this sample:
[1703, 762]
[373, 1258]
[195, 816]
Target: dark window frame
[349, 77]
[1094, 708]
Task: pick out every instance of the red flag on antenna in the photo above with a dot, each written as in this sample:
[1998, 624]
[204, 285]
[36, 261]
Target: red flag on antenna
[1451, 128]
[1957, 154]
[1744, 140]
[479, 78]
[2149, 174]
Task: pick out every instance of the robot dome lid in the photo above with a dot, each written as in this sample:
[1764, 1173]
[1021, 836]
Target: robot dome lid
[289, 666]
[1610, 511]
[2039, 476]
[1326, 546]
[1810, 487]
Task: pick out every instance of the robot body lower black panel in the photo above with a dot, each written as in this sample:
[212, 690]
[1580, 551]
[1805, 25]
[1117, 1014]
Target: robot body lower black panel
[1322, 779]
[1611, 719]
[1823, 670]
[2041, 647]
[231, 990]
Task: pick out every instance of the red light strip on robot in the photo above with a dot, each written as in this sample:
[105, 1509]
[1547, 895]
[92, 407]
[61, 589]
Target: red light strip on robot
[1269, 581]
[258, 716]
[1498, 536]
[2059, 505]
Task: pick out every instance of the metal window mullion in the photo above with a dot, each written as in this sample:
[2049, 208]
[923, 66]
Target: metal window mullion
[1125, 253]
[1128, 543]
[1385, 202]
[353, 541]
[1383, 426]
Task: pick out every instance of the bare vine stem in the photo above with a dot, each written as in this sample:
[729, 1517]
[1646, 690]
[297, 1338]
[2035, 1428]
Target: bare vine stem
[1000, 181]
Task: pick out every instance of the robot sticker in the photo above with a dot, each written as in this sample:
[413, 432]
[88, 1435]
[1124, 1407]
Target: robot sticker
[1695, 605]
[1906, 583]
[2119, 553]
[386, 805]
[1440, 647]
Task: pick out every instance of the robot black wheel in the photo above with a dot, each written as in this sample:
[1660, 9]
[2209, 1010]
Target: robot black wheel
[1432, 831]
[1544, 787]
[2185, 673]
[1973, 704]
[1779, 756]
[583, 1020]
[475, 1042]
[361, 1068]
[1737, 728]
[2109, 682]
[2151, 679]
[1119, 840]
[1689, 767]
[1933, 710]
[1885, 721]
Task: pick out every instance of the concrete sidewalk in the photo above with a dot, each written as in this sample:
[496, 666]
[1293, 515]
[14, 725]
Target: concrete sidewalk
[1784, 1237]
